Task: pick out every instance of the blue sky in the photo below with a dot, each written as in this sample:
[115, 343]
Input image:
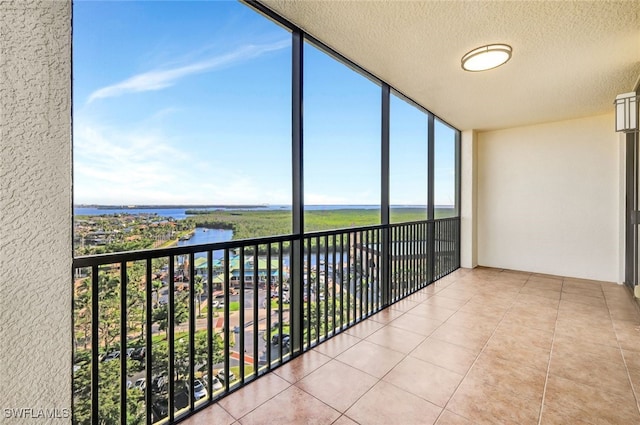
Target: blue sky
[189, 103]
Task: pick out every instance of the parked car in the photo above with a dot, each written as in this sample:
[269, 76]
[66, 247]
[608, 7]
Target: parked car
[275, 339]
[221, 377]
[111, 356]
[199, 390]
[215, 382]
[138, 354]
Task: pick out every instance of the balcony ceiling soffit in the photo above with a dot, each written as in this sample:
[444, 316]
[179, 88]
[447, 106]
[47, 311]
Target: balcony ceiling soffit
[570, 58]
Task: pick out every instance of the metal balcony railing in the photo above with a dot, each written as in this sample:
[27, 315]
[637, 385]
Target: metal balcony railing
[160, 334]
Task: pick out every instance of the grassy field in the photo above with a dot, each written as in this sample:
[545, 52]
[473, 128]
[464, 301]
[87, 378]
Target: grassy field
[250, 224]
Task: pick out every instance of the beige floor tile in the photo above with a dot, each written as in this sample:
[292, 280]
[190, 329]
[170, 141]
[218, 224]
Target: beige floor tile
[473, 321]
[301, 366]
[449, 418]
[485, 404]
[444, 354]
[628, 334]
[344, 420]
[577, 307]
[591, 369]
[426, 380]
[431, 311]
[404, 305]
[473, 339]
[524, 337]
[253, 395]
[550, 297]
[416, 323]
[569, 346]
[371, 358]
[540, 322]
[446, 302]
[574, 400]
[553, 417]
[213, 415]
[625, 313]
[485, 307]
[387, 315]
[541, 284]
[308, 410]
[515, 377]
[401, 407]
[337, 384]
[396, 339]
[453, 292]
[584, 299]
[338, 344]
[364, 329]
[513, 348]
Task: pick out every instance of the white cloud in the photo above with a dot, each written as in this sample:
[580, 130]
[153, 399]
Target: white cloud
[163, 78]
[144, 166]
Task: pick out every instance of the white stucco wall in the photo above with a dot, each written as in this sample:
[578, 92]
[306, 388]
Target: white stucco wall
[549, 198]
[35, 217]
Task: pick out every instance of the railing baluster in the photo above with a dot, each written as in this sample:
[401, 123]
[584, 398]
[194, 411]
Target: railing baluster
[365, 265]
[333, 284]
[326, 286]
[148, 341]
[95, 365]
[280, 312]
[267, 307]
[241, 323]
[342, 281]
[192, 331]
[226, 324]
[317, 297]
[256, 306]
[171, 334]
[209, 380]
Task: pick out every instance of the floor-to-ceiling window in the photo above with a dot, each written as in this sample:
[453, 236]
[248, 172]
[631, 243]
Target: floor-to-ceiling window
[341, 142]
[445, 169]
[408, 162]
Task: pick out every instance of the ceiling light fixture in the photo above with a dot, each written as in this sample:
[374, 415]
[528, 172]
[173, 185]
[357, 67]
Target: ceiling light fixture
[486, 57]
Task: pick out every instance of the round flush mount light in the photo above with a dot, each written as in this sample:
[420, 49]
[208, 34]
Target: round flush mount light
[486, 57]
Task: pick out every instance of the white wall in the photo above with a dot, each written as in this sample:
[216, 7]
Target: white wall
[469, 199]
[549, 198]
[35, 211]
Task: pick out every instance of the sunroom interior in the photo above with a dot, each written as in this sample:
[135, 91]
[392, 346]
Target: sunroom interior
[538, 325]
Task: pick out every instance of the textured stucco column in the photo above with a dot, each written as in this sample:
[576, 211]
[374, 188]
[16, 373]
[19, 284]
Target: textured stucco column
[35, 214]
[469, 209]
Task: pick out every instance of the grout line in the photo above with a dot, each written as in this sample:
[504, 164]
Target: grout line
[553, 341]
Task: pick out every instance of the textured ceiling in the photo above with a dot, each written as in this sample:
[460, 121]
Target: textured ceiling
[570, 58]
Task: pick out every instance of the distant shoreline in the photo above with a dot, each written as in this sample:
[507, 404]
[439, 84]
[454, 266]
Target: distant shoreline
[168, 207]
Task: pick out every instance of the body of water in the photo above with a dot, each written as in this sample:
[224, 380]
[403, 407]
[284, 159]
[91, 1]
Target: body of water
[202, 236]
[179, 213]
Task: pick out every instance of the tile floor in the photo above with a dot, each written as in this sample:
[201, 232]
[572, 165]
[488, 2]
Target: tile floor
[482, 346]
